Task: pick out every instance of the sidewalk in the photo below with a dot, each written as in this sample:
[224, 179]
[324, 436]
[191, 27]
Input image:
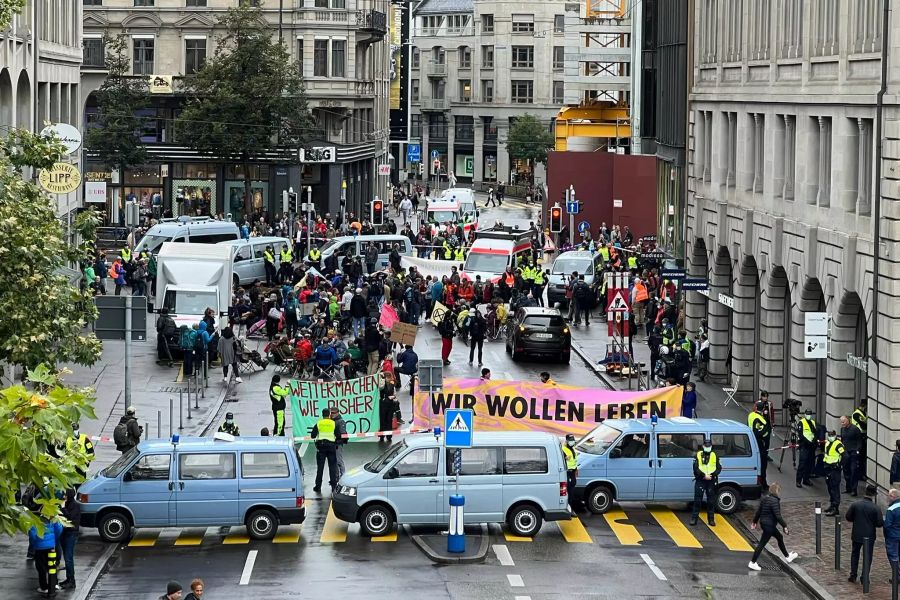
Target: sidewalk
[152, 388]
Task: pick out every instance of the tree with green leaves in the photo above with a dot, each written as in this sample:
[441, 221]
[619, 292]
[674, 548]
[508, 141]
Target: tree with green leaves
[115, 136]
[8, 9]
[43, 313]
[248, 97]
[37, 421]
[529, 139]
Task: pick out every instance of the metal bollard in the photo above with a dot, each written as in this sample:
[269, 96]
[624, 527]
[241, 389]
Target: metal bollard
[189, 390]
[189, 407]
[894, 581]
[818, 528]
[196, 399]
[837, 543]
[180, 413]
[867, 564]
[171, 410]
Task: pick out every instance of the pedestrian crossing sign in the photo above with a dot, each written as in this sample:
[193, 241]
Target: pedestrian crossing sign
[458, 427]
[618, 302]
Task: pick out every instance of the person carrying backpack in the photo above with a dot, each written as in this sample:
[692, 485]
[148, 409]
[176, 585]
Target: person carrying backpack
[582, 295]
[186, 337]
[127, 433]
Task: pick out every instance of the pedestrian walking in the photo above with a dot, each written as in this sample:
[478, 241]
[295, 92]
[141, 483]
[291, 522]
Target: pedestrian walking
[196, 592]
[768, 518]
[340, 439]
[45, 557]
[833, 460]
[892, 530]
[490, 198]
[866, 519]
[582, 295]
[277, 395]
[477, 330]
[852, 437]
[447, 328]
[762, 429]
[165, 330]
[228, 351]
[127, 433]
[173, 591]
[806, 433]
[72, 512]
[326, 450]
[706, 476]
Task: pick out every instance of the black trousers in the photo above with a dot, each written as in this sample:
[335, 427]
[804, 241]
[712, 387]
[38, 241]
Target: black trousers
[763, 460]
[472, 345]
[570, 483]
[805, 463]
[702, 488]
[851, 471]
[764, 539]
[46, 564]
[326, 451]
[855, 559]
[833, 481]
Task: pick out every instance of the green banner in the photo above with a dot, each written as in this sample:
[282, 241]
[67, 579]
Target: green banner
[356, 399]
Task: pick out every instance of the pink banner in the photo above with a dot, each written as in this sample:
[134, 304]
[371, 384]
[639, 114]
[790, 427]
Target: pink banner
[524, 405]
[388, 316]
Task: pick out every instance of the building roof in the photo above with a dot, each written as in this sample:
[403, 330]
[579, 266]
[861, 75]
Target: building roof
[442, 7]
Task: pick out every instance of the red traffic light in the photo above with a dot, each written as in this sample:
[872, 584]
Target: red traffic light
[555, 219]
[377, 205]
[557, 213]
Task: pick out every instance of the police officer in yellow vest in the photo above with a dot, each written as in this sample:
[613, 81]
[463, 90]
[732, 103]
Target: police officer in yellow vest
[81, 444]
[459, 255]
[537, 287]
[806, 434]
[269, 263]
[126, 255]
[286, 254]
[859, 418]
[326, 449]
[315, 258]
[833, 459]
[706, 477]
[604, 252]
[571, 455]
[762, 431]
[277, 395]
[632, 262]
[448, 251]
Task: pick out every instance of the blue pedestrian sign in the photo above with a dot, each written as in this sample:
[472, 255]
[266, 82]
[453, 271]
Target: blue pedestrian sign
[435, 155]
[573, 207]
[414, 153]
[583, 226]
[458, 427]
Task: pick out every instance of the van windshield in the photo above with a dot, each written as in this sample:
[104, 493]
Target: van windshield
[442, 216]
[565, 265]
[184, 302]
[151, 243]
[329, 245]
[486, 263]
[599, 440]
[387, 456]
[115, 469]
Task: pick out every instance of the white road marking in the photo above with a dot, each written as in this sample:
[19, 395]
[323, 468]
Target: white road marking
[523, 597]
[515, 580]
[503, 555]
[248, 567]
[659, 574]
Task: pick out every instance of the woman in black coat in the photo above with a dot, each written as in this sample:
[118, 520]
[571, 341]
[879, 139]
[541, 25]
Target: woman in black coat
[387, 407]
[768, 518]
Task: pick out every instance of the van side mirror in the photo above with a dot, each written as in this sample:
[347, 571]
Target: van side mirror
[616, 453]
[127, 476]
[392, 473]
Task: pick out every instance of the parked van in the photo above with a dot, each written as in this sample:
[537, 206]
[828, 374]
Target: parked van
[196, 230]
[440, 213]
[197, 482]
[514, 477]
[587, 264]
[466, 199]
[495, 249]
[637, 460]
[249, 262]
[357, 244]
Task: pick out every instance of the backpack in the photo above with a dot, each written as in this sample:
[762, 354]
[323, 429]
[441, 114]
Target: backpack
[581, 291]
[120, 435]
[198, 342]
[186, 337]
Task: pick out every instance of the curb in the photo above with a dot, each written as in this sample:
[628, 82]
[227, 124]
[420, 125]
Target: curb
[445, 559]
[600, 373]
[795, 571]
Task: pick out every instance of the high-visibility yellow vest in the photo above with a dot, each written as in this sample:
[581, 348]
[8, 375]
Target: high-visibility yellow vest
[808, 426]
[754, 418]
[448, 251]
[126, 255]
[604, 252]
[82, 445]
[710, 467]
[632, 262]
[460, 255]
[269, 257]
[286, 255]
[326, 430]
[538, 277]
[858, 418]
[315, 254]
[571, 459]
[833, 452]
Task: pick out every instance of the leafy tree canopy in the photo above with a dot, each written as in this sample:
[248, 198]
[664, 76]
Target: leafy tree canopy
[529, 139]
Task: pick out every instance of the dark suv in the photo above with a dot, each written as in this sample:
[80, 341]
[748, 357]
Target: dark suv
[536, 330]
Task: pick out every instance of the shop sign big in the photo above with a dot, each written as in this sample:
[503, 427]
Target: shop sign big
[63, 178]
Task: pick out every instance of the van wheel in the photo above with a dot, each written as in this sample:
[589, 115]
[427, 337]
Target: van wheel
[599, 499]
[728, 499]
[376, 520]
[525, 520]
[114, 527]
[261, 524]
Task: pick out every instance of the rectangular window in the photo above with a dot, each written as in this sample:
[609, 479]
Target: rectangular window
[517, 461]
[523, 57]
[633, 445]
[465, 90]
[338, 4]
[416, 57]
[437, 127]
[194, 55]
[678, 445]
[415, 126]
[465, 128]
[465, 57]
[321, 4]
[487, 57]
[143, 2]
[257, 465]
[522, 91]
[93, 2]
[559, 23]
[475, 461]
[487, 23]
[731, 444]
[422, 462]
[338, 58]
[414, 90]
[151, 467]
[195, 3]
[490, 129]
[214, 465]
[94, 52]
[558, 92]
[300, 57]
[320, 58]
[487, 90]
[523, 23]
[143, 57]
[559, 57]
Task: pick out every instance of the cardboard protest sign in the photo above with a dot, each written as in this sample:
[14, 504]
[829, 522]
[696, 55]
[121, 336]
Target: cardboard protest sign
[404, 333]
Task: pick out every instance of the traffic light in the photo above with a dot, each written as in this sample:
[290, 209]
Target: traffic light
[556, 219]
[377, 212]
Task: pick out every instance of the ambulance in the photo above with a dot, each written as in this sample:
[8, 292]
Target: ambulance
[441, 213]
[494, 250]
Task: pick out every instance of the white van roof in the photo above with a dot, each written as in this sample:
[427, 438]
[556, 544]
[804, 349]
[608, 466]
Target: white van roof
[443, 204]
[170, 227]
[256, 240]
[182, 250]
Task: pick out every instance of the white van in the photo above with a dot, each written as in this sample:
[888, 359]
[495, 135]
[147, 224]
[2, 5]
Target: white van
[466, 199]
[441, 212]
[249, 262]
[514, 477]
[357, 244]
[494, 250]
[195, 230]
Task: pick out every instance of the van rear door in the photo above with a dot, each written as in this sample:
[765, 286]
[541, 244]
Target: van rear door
[207, 489]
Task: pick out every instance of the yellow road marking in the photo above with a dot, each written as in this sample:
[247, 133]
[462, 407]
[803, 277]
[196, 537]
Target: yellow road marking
[334, 530]
[628, 534]
[729, 535]
[287, 535]
[238, 535]
[142, 539]
[191, 537]
[511, 537]
[680, 534]
[574, 532]
[180, 377]
[391, 537]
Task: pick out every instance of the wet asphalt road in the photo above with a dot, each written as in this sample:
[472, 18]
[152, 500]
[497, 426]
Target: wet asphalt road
[326, 558]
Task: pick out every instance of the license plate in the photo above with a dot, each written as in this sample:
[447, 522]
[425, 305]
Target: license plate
[542, 336]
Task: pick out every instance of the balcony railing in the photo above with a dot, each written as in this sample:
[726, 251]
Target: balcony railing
[445, 31]
[435, 104]
[436, 69]
[372, 20]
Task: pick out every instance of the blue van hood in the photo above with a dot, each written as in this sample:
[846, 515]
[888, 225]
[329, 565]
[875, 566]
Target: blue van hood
[357, 476]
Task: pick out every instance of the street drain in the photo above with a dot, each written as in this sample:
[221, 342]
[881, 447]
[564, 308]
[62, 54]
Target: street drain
[170, 390]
